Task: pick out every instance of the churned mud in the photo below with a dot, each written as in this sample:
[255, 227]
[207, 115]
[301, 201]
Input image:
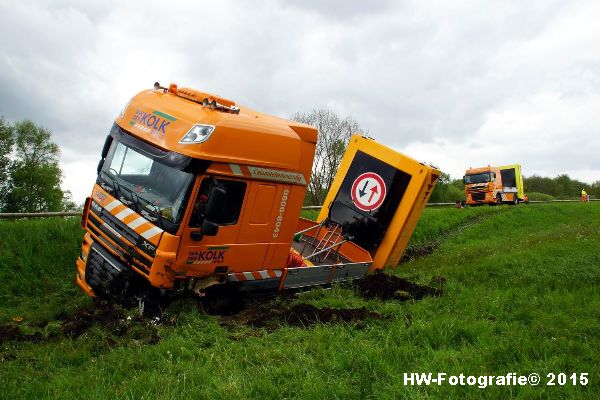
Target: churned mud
[272, 316]
[112, 318]
[414, 252]
[270, 311]
[388, 287]
[276, 310]
[104, 315]
[13, 333]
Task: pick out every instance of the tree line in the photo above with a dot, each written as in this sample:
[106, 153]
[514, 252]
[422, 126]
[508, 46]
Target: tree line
[30, 174]
[536, 187]
[335, 132]
[560, 187]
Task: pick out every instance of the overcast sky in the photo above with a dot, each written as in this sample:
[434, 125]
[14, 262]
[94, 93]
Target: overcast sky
[455, 83]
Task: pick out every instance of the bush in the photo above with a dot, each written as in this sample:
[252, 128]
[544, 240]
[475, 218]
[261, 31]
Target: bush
[537, 196]
[446, 193]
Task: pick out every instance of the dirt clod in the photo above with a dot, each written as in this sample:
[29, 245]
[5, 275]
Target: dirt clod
[11, 332]
[103, 314]
[414, 252]
[306, 314]
[438, 280]
[387, 287]
[109, 317]
[271, 316]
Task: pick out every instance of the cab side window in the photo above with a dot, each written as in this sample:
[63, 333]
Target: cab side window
[228, 212]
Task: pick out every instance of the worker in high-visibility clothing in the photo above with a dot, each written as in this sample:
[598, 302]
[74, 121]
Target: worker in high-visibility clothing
[584, 195]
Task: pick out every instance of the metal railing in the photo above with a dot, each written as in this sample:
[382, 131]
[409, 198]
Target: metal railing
[41, 214]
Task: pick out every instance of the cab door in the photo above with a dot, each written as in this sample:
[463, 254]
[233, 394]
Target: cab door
[200, 254]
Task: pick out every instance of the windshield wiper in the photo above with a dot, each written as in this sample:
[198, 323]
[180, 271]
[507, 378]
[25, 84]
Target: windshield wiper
[109, 188]
[135, 200]
[156, 210]
[118, 189]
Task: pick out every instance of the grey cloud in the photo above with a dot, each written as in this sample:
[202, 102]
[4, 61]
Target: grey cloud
[336, 10]
[412, 73]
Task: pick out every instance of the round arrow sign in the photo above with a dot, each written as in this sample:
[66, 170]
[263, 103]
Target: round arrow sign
[368, 191]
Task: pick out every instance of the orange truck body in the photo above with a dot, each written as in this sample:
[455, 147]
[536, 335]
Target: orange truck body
[193, 191]
[494, 185]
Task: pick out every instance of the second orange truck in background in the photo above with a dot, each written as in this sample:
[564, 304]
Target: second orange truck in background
[494, 185]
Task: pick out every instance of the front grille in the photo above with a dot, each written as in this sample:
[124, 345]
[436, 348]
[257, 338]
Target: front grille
[478, 196]
[124, 250]
[102, 271]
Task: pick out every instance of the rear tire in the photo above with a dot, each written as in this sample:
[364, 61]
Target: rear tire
[224, 299]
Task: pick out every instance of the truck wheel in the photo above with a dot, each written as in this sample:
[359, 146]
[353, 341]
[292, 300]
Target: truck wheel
[224, 299]
[515, 200]
[498, 199]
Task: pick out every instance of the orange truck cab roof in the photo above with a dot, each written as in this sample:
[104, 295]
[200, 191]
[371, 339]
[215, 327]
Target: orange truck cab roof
[163, 117]
[480, 170]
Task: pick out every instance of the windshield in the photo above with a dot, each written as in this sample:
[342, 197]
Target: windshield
[478, 178]
[154, 182]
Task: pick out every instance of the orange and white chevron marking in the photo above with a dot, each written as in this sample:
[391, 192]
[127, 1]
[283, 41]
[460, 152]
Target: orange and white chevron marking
[139, 224]
[254, 275]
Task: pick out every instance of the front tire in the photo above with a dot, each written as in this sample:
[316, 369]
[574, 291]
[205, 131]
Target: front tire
[498, 199]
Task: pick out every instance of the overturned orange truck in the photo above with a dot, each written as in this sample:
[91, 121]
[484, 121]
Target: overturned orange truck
[193, 191]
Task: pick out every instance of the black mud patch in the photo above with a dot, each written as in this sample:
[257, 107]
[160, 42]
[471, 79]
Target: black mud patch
[273, 316]
[414, 252]
[277, 310]
[118, 323]
[388, 287]
[14, 333]
[104, 315]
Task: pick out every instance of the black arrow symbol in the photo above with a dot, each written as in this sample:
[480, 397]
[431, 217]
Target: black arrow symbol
[364, 189]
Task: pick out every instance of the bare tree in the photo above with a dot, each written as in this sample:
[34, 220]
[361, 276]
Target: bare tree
[6, 144]
[334, 134]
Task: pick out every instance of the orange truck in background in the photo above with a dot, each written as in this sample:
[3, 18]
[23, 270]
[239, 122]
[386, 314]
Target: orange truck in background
[494, 185]
[193, 191]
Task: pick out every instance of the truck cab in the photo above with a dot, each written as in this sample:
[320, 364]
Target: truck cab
[175, 198]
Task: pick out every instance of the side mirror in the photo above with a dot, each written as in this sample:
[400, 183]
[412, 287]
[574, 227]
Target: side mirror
[216, 198]
[106, 146]
[209, 228]
[100, 165]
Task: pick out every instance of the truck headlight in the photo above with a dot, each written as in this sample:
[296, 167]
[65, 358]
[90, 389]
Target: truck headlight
[198, 134]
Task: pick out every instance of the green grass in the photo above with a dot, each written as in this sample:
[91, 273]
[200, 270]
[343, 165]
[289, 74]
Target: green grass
[522, 294]
[36, 267]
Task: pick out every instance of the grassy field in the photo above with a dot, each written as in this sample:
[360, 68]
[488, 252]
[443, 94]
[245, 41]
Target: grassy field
[521, 293]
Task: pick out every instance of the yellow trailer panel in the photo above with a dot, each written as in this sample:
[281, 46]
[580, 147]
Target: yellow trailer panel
[377, 195]
[518, 178]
